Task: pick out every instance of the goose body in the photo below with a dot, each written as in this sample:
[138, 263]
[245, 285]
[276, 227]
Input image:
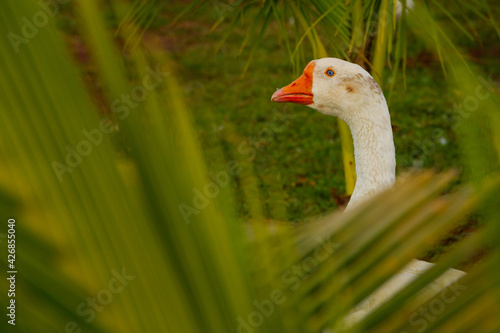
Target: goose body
[341, 89]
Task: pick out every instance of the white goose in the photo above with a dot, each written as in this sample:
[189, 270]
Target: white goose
[339, 88]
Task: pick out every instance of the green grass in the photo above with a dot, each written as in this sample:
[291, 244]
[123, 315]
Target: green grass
[293, 152]
[303, 160]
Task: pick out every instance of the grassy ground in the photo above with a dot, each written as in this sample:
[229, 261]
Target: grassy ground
[301, 157]
[298, 165]
[292, 153]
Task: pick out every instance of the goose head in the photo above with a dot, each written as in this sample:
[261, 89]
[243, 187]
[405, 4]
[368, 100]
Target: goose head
[339, 88]
[334, 87]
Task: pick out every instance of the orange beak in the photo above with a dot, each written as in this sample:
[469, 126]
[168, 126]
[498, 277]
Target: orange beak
[299, 91]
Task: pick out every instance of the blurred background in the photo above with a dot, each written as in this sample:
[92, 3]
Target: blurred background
[156, 188]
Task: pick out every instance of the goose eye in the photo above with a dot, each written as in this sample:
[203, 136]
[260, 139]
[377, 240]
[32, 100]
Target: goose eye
[330, 72]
